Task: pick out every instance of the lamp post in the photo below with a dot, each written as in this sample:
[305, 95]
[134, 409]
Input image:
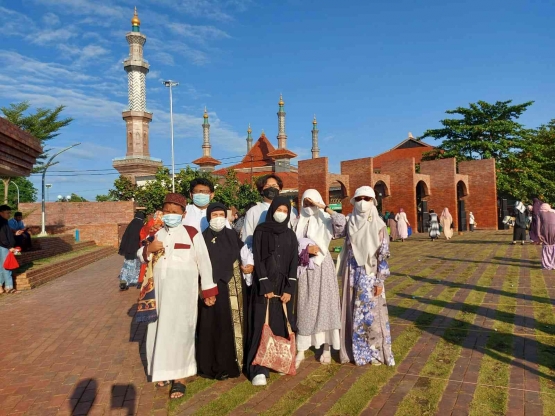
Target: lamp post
[48, 186]
[169, 83]
[45, 167]
[17, 187]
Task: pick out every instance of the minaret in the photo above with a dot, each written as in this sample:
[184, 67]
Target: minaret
[206, 148]
[315, 148]
[137, 161]
[282, 155]
[206, 163]
[249, 138]
[282, 137]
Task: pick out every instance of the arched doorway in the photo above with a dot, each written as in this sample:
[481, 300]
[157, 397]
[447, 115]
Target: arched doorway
[462, 192]
[380, 188]
[422, 214]
[337, 193]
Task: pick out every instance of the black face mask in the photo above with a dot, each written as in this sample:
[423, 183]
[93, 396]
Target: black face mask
[270, 193]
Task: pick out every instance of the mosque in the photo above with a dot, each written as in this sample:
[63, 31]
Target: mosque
[400, 177]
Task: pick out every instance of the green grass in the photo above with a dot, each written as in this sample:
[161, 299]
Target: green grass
[194, 387]
[495, 368]
[296, 397]
[238, 395]
[424, 398]
[35, 264]
[546, 345]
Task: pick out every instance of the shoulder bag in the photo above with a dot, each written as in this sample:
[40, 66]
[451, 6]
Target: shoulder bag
[276, 353]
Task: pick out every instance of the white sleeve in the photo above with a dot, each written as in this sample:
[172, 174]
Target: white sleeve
[248, 227]
[207, 285]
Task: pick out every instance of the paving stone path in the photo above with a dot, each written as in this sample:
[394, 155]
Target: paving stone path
[70, 347]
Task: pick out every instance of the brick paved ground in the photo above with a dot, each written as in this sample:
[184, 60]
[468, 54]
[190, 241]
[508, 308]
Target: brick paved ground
[457, 307]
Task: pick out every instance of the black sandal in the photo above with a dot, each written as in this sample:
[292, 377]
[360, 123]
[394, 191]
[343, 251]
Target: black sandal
[177, 388]
[123, 285]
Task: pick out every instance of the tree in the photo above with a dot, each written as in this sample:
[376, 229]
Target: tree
[104, 198]
[490, 131]
[77, 198]
[539, 156]
[27, 192]
[124, 190]
[233, 193]
[44, 125]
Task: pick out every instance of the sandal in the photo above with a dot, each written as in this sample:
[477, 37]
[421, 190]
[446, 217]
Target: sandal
[177, 388]
[164, 384]
[12, 291]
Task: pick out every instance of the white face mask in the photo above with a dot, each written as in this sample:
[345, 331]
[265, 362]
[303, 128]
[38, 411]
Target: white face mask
[363, 206]
[310, 210]
[217, 224]
[280, 216]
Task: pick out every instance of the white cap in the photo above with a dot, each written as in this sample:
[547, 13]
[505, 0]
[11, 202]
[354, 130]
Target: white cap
[363, 191]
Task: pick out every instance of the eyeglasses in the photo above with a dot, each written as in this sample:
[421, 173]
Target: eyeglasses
[365, 198]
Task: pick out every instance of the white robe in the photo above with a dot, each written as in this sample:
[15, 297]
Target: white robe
[257, 215]
[170, 341]
[196, 217]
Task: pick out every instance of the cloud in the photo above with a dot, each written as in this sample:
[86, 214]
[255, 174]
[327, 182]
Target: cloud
[159, 52]
[50, 19]
[199, 34]
[86, 151]
[19, 65]
[85, 55]
[104, 9]
[220, 10]
[13, 23]
[47, 36]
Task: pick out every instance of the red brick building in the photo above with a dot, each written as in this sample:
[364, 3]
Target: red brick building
[402, 180]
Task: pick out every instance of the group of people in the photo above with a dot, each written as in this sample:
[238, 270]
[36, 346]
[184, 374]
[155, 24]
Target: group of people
[539, 220]
[443, 224]
[208, 291]
[397, 225]
[14, 237]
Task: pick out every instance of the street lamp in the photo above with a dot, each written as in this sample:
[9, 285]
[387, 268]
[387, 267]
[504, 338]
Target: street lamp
[17, 187]
[169, 83]
[48, 186]
[44, 168]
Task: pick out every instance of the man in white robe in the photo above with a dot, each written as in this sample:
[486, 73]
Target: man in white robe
[170, 343]
[202, 193]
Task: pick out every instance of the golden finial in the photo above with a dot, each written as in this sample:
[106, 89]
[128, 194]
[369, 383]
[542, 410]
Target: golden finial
[314, 121]
[281, 100]
[205, 112]
[249, 130]
[135, 21]
[263, 134]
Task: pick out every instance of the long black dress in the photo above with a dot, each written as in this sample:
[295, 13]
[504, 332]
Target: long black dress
[275, 273]
[519, 232]
[216, 352]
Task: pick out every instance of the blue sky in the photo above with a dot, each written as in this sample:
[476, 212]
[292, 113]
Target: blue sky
[370, 70]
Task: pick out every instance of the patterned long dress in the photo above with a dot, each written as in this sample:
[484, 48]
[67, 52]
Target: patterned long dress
[365, 319]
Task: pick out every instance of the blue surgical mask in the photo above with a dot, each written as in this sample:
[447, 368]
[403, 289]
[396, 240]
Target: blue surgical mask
[201, 200]
[172, 220]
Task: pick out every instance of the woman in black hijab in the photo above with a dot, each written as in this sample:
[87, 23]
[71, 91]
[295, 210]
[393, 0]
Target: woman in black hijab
[275, 281]
[130, 243]
[219, 347]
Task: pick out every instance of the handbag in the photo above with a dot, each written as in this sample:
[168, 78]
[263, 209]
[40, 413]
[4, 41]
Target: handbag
[409, 229]
[276, 353]
[10, 262]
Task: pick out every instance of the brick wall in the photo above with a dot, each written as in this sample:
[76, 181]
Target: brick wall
[443, 192]
[102, 234]
[403, 188]
[313, 174]
[360, 172]
[71, 214]
[482, 191]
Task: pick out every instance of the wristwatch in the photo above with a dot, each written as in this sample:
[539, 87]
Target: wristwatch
[326, 207]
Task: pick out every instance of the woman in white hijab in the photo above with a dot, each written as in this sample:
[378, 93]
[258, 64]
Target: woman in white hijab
[362, 265]
[446, 221]
[318, 305]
